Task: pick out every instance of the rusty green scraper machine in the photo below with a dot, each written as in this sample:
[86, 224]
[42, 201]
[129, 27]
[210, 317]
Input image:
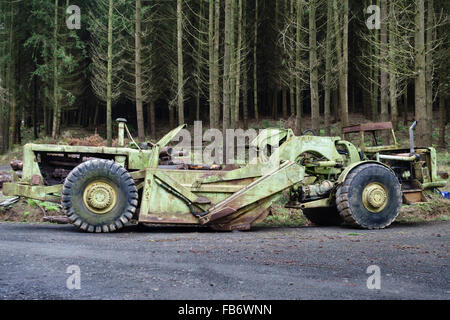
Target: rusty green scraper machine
[331, 180]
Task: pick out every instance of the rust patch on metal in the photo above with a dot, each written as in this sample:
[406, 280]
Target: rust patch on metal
[202, 200]
[36, 180]
[443, 175]
[222, 213]
[413, 196]
[367, 127]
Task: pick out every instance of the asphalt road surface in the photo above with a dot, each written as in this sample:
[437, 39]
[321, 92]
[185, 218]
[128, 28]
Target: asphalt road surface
[196, 263]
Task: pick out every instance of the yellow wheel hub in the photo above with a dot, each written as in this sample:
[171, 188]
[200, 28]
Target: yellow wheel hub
[99, 197]
[375, 197]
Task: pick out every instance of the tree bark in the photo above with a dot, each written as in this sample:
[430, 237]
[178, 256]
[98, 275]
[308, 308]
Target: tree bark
[245, 73]
[211, 62]
[12, 81]
[227, 75]
[255, 63]
[384, 98]
[238, 66]
[199, 62]
[313, 64]
[216, 64]
[180, 91]
[342, 55]
[392, 75]
[227, 67]
[56, 106]
[327, 102]
[429, 71]
[232, 63]
[443, 121]
[139, 99]
[151, 119]
[420, 67]
[405, 106]
[298, 89]
[109, 77]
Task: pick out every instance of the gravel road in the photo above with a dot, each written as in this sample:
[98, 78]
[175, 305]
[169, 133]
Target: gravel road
[194, 263]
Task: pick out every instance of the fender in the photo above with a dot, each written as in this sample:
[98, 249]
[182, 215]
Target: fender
[357, 164]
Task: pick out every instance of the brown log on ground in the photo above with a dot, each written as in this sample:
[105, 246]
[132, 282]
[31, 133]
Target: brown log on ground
[57, 219]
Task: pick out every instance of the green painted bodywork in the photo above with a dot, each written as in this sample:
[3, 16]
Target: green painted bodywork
[224, 199]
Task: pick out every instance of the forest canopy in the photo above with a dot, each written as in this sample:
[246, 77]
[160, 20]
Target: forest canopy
[227, 63]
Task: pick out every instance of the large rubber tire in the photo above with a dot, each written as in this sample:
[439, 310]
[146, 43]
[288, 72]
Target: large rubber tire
[328, 216]
[125, 191]
[349, 197]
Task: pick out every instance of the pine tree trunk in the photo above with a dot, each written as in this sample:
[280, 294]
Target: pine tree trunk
[420, 67]
[292, 76]
[12, 80]
[344, 107]
[392, 75]
[216, 64]
[227, 75]
[384, 98]
[151, 119]
[199, 62]
[429, 71]
[255, 63]
[245, 74]
[443, 94]
[138, 70]
[328, 53]
[405, 106]
[97, 107]
[442, 121]
[35, 107]
[375, 76]
[180, 91]
[238, 66]
[109, 77]
[232, 63]
[314, 77]
[336, 105]
[56, 106]
[298, 89]
[211, 62]
[341, 46]
[227, 66]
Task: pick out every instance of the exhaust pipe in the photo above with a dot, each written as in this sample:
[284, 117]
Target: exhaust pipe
[121, 137]
[411, 139]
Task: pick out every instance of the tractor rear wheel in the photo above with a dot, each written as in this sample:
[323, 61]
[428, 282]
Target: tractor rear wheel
[328, 216]
[99, 196]
[370, 197]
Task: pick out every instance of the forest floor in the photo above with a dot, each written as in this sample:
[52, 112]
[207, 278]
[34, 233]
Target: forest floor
[32, 211]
